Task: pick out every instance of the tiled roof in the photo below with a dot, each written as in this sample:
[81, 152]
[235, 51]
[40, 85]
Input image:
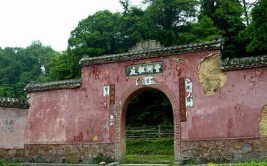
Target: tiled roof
[13, 103]
[65, 84]
[154, 49]
[244, 63]
[151, 52]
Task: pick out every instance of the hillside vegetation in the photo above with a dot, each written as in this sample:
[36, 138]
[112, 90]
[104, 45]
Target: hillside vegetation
[241, 24]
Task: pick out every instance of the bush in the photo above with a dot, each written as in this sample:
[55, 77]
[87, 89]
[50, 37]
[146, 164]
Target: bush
[4, 163]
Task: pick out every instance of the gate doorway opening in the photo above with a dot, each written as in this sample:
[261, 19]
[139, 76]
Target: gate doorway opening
[149, 128]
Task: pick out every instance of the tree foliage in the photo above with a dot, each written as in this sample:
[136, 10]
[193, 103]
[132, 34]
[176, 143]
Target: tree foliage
[170, 22]
[172, 14]
[227, 17]
[19, 66]
[203, 30]
[258, 28]
[96, 35]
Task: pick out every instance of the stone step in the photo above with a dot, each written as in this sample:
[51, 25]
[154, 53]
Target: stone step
[143, 164]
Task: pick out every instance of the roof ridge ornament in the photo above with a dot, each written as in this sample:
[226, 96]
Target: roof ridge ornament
[145, 45]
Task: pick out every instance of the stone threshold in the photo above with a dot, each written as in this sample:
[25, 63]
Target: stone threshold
[64, 164]
[53, 164]
[143, 164]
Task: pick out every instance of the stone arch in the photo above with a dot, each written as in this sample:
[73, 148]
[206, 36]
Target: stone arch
[120, 118]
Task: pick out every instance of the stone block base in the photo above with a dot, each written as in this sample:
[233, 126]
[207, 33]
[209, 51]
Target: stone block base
[55, 153]
[224, 150]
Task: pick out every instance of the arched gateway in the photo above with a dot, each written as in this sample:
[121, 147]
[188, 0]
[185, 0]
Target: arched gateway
[148, 65]
[219, 108]
[120, 114]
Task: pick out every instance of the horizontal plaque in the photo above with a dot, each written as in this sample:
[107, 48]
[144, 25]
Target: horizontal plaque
[144, 69]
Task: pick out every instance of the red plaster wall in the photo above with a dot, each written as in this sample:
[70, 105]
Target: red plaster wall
[184, 65]
[65, 116]
[82, 114]
[12, 127]
[233, 111]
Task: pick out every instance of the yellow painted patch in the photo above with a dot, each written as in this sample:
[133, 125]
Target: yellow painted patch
[95, 138]
[210, 75]
[263, 121]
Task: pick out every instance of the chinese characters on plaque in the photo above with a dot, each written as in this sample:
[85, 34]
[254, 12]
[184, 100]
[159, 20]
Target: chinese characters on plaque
[185, 96]
[110, 91]
[148, 81]
[188, 89]
[106, 91]
[144, 69]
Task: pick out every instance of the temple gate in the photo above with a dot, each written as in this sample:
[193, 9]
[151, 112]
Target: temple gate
[219, 107]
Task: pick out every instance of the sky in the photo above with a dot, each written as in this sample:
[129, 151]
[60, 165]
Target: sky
[49, 21]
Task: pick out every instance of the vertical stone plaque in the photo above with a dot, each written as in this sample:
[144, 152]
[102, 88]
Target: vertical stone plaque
[188, 85]
[182, 99]
[112, 94]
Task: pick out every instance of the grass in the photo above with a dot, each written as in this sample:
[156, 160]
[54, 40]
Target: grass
[157, 151]
[162, 146]
[149, 159]
[251, 163]
[3, 163]
[161, 151]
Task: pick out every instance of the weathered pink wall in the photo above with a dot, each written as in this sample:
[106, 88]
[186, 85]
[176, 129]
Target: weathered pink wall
[82, 115]
[233, 111]
[12, 127]
[65, 116]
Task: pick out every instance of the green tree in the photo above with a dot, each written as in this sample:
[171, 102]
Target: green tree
[136, 26]
[96, 35]
[258, 28]
[172, 17]
[109, 33]
[40, 52]
[172, 14]
[203, 30]
[60, 67]
[227, 17]
[248, 5]
[19, 66]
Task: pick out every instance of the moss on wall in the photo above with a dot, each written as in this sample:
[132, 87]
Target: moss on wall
[210, 75]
